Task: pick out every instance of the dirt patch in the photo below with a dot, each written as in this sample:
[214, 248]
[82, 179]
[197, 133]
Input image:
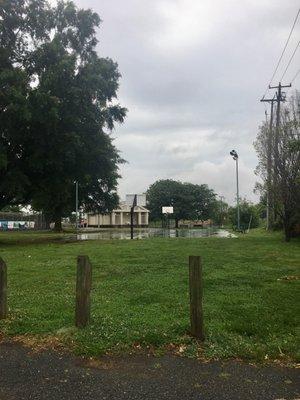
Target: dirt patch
[39, 344]
[289, 278]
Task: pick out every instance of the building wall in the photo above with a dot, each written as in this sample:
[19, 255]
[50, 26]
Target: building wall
[118, 218]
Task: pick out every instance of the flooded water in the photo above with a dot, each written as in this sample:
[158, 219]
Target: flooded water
[107, 234]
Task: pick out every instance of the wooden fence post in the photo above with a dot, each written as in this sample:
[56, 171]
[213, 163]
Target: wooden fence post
[3, 289]
[196, 292]
[83, 290]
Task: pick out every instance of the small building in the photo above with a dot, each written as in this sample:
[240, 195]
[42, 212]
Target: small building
[119, 218]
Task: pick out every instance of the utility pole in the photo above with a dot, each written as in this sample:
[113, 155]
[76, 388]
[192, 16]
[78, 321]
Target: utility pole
[278, 98]
[269, 160]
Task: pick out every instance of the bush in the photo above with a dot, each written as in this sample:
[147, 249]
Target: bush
[247, 210]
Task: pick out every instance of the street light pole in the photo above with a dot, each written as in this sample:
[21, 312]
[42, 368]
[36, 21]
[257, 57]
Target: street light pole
[235, 156]
[237, 193]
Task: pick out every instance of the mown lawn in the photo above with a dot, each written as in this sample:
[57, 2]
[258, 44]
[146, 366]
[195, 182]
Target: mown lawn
[140, 294]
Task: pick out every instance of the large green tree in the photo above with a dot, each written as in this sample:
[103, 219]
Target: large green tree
[189, 201]
[71, 105]
[14, 89]
[249, 215]
[283, 185]
[14, 116]
[204, 203]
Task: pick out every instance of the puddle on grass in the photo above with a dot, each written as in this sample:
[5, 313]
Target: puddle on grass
[146, 233]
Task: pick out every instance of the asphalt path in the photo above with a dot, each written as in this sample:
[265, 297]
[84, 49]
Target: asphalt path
[50, 375]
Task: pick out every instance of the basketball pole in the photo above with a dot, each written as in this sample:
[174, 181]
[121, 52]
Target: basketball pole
[131, 215]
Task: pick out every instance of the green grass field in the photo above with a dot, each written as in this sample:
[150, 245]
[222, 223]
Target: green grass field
[140, 294]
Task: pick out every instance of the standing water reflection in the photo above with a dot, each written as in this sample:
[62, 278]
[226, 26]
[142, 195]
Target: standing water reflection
[107, 234]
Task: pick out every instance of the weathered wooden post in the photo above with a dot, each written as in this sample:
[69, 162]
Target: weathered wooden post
[83, 290]
[3, 289]
[196, 293]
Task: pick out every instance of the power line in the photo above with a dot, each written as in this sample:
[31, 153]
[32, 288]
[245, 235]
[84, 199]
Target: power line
[297, 73]
[292, 81]
[283, 51]
[290, 60]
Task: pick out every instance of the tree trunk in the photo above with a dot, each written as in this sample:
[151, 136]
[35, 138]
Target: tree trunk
[287, 231]
[57, 224]
[47, 225]
[176, 223]
[47, 222]
[287, 226]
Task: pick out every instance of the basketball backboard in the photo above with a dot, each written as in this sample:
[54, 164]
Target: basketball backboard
[167, 210]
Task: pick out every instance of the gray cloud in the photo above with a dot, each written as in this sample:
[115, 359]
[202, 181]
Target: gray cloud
[192, 76]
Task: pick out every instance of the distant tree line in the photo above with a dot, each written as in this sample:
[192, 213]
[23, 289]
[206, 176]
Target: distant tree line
[198, 203]
[278, 152]
[250, 215]
[57, 106]
[189, 201]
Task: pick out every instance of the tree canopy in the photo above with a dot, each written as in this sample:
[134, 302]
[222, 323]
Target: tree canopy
[189, 201]
[283, 183]
[57, 106]
[249, 214]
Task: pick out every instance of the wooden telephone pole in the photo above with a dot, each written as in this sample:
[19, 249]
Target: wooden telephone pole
[280, 97]
[269, 160]
[273, 140]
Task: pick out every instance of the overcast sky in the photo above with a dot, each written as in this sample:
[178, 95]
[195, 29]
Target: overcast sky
[193, 72]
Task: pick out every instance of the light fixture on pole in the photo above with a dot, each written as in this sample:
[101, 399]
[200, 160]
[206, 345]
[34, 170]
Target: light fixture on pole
[235, 156]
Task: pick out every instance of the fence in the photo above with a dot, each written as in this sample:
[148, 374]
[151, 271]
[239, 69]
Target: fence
[21, 221]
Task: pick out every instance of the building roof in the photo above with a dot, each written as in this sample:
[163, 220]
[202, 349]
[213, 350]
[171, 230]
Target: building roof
[123, 207]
